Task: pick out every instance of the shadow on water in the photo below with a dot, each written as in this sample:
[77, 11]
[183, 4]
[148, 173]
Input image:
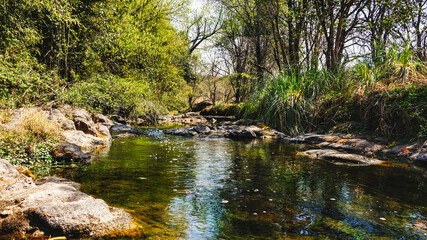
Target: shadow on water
[195, 188]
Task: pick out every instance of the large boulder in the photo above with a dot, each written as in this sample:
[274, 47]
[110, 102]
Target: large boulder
[103, 120]
[104, 132]
[202, 105]
[86, 142]
[69, 152]
[54, 206]
[83, 121]
[241, 132]
[58, 116]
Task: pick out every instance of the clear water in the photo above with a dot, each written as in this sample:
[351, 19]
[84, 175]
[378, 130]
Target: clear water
[192, 188]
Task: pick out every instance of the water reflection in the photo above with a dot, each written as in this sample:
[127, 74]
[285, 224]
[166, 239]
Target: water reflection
[219, 188]
[199, 207]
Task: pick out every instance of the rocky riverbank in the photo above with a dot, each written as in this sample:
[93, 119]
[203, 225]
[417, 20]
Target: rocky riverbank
[344, 148]
[54, 206]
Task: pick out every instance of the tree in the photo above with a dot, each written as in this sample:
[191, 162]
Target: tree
[198, 28]
[338, 20]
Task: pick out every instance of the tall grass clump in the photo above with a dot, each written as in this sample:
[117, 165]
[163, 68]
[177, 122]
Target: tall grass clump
[398, 68]
[385, 97]
[27, 136]
[287, 101]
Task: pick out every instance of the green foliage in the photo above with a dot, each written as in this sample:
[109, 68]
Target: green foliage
[137, 37]
[47, 47]
[23, 79]
[398, 66]
[22, 83]
[110, 94]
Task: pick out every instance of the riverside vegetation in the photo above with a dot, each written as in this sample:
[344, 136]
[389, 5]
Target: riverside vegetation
[299, 66]
[140, 59]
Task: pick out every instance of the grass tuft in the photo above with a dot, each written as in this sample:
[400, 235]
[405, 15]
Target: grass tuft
[29, 137]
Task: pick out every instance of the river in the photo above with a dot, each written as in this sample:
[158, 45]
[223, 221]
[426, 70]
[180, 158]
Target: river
[216, 188]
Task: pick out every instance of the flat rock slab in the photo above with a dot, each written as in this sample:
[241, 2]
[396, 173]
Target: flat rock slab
[86, 142]
[337, 141]
[347, 142]
[54, 206]
[341, 158]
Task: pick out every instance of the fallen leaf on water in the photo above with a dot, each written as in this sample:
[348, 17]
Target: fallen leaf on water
[420, 225]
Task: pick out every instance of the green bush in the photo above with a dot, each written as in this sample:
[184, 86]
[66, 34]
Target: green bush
[110, 94]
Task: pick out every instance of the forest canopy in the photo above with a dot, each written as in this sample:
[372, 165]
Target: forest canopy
[112, 56]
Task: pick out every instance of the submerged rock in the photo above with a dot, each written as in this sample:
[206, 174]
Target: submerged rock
[54, 206]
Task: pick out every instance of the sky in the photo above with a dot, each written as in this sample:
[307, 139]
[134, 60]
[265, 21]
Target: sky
[197, 4]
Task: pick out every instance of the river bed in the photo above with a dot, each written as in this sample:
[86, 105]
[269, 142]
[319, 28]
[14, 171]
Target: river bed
[217, 188]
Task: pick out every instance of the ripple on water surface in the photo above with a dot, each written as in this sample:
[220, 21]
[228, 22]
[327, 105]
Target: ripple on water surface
[193, 188]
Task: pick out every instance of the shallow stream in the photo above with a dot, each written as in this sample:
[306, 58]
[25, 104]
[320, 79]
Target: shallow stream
[195, 188]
